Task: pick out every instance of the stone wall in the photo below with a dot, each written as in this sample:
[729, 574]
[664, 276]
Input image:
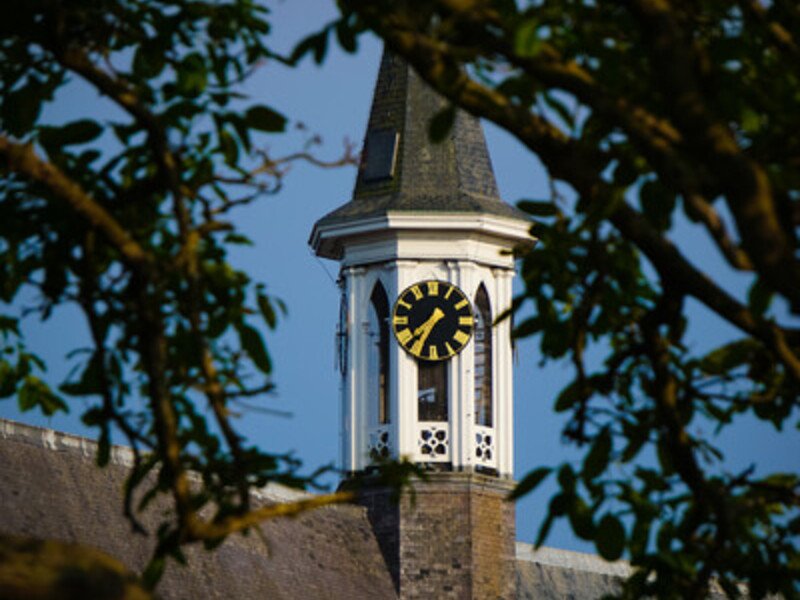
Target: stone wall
[453, 537]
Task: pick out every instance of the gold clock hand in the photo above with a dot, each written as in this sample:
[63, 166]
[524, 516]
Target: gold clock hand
[424, 331]
[424, 336]
[435, 317]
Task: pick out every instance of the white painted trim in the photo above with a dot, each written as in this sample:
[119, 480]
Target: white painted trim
[328, 240]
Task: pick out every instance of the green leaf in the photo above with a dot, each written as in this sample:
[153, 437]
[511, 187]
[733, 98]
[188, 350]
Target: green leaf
[597, 459]
[544, 530]
[20, 109]
[317, 43]
[657, 204]
[9, 324]
[253, 344]
[263, 118]
[35, 392]
[538, 208]
[441, 124]
[580, 517]
[728, 357]
[664, 457]
[268, 312]
[610, 538]
[238, 239]
[527, 41]
[560, 108]
[346, 36]
[530, 482]
[751, 120]
[528, 327]
[93, 417]
[77, 132]
[192, 75]
[229, 147]
[153, 572]
[625, 173]
[148, 61]
[104, 446]
[567, 478]
[27, 397]
[89, 382]
[759, 297]
[8, 379]
[568, 397]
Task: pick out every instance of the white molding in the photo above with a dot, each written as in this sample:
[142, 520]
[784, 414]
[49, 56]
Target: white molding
[330, 239]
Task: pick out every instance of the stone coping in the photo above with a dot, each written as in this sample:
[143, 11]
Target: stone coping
[576, 561]
[59, 441]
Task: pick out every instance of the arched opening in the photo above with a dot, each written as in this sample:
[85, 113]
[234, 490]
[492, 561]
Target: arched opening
[432, 392]
[483, 359]
[378, 355]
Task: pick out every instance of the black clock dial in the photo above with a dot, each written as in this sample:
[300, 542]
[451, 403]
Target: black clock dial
[433, 320]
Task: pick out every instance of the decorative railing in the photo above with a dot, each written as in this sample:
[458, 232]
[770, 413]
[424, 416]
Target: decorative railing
[433, 442]
[379, 444]
[485, 454]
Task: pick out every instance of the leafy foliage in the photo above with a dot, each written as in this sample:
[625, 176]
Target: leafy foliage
[129, 218]
[647, 113]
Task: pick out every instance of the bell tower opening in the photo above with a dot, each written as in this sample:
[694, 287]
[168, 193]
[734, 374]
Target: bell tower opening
[484, 403]
[432, 392]
[378, 356]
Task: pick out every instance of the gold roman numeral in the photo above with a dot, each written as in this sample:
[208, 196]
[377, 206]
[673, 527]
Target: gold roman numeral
[460, 338]
[405, 305]
[417, 292]
[462, 304]
[400, 320]
[449, 291]
[466, 321]
[449, 349]
[433, 288]
[433, 353]
[404, 336]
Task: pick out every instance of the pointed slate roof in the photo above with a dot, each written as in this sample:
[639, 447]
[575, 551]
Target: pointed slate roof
[402, 170]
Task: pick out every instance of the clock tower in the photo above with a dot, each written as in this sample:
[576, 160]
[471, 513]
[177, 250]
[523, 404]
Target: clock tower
[426, 268]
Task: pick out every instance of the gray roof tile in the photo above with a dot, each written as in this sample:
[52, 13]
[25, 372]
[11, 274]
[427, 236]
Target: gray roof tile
[452, 176]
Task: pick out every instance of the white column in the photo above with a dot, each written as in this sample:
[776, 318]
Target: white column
[360, 299]
[406, 371]
[463, 419]
[504, 391]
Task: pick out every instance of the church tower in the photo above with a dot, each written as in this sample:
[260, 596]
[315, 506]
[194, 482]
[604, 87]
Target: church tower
[426, 267]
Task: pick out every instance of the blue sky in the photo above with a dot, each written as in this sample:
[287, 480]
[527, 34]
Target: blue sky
[334, 100]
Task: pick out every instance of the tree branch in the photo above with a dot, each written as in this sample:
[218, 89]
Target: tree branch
[746, 185]
[697, 208]
[21, 159]
[213, 531]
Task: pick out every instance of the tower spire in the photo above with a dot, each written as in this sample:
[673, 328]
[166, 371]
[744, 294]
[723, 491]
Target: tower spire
[402, 170]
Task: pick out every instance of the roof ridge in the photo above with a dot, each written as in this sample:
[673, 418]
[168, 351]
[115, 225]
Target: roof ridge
[571, 559]
[60, 441]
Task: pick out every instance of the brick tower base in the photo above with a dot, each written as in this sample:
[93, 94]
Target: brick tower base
[453, 536]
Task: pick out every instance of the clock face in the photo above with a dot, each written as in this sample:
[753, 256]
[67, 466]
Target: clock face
[433, 320]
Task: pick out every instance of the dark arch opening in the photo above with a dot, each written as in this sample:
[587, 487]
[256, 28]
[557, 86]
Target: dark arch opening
[483, 359]
[378, 353]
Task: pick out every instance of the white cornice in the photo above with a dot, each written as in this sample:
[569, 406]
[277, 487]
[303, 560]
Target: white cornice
[329, 239]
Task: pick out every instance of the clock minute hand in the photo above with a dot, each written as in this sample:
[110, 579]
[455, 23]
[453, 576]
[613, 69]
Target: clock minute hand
[426, 327]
